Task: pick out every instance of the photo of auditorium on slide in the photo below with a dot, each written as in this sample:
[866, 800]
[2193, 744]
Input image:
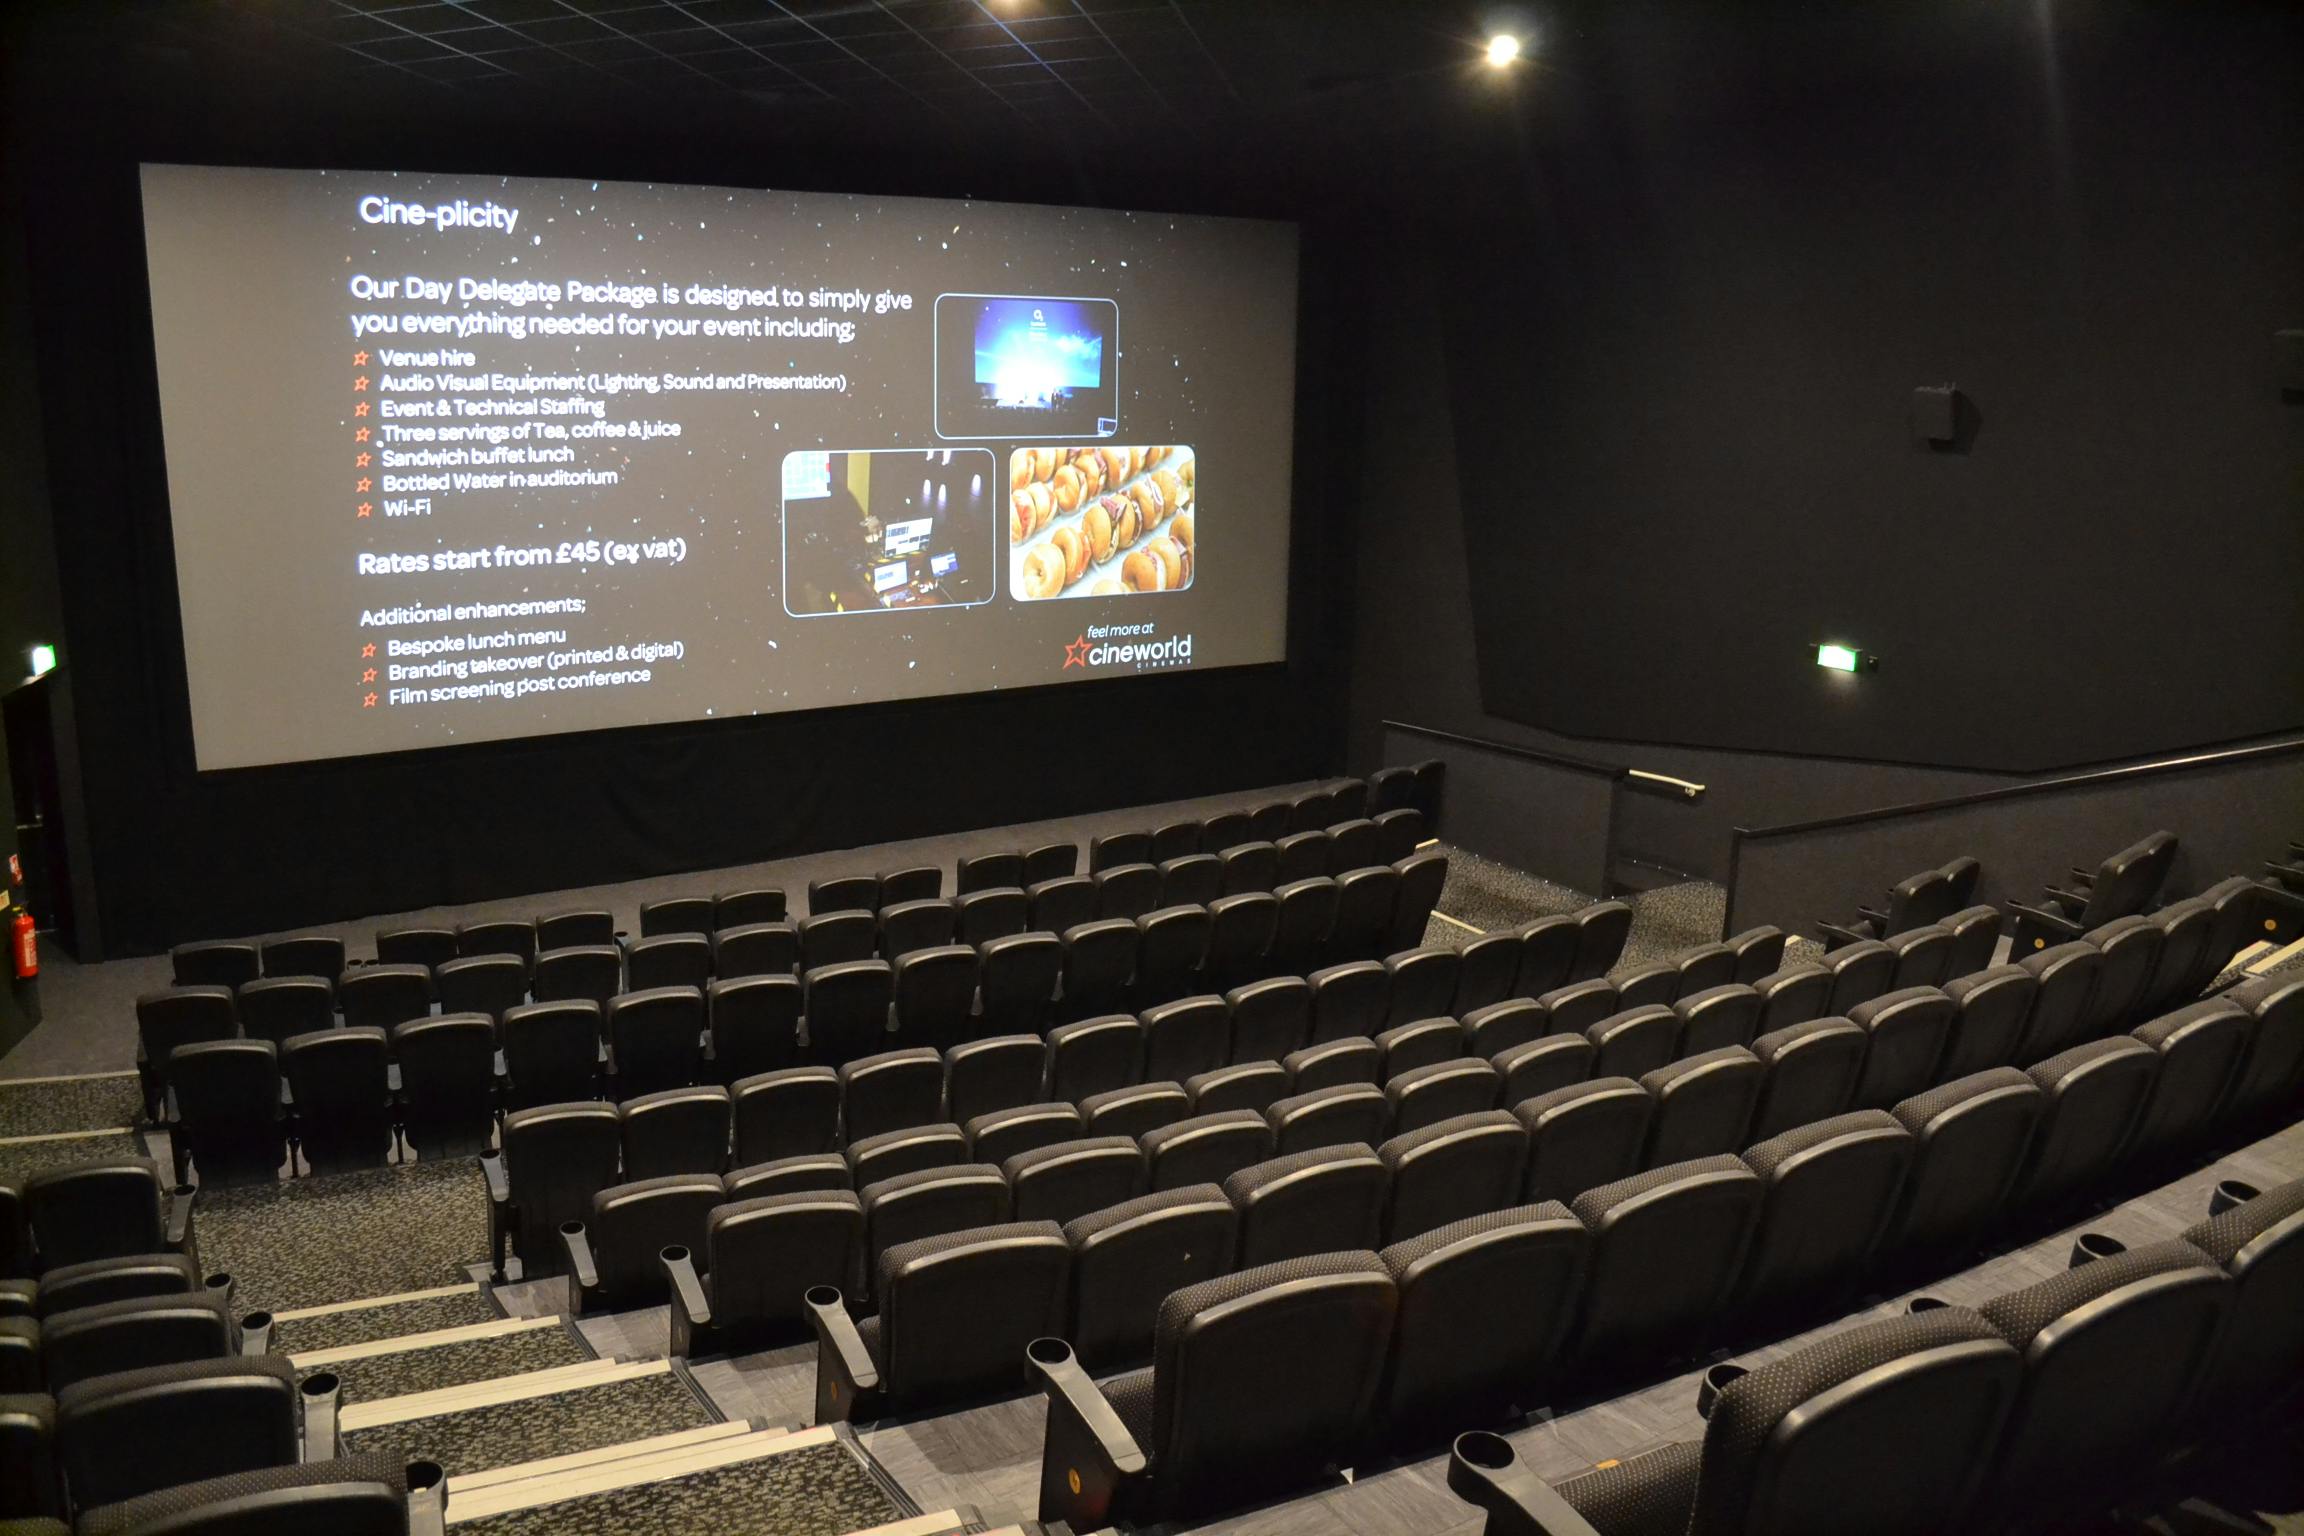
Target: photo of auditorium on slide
[871, 532]
[460, 459]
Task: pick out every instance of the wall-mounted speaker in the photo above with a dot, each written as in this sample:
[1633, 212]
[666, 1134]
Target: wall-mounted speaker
[1935, 412]
[2288, 353]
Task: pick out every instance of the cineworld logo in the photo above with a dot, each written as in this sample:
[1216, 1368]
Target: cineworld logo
[1115, 645]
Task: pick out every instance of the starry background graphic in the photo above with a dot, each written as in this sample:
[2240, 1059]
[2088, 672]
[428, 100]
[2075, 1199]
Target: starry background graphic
[251, 310]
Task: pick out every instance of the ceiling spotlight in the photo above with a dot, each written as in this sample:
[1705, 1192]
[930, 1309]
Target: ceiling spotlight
[1503, 48]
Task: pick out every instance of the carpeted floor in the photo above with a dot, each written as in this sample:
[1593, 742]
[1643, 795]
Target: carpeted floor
[821, 1491]
[533, 1428]
[19, 1160]
[373, 1378]
[393, 1320]
[344, 1236]
[41, 1108]
[1491, 897]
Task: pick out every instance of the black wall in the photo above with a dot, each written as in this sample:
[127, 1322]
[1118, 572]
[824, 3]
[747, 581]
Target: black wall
[179, 855]
[1694, 270]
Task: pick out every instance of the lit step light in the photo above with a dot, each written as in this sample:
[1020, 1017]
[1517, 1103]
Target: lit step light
[43, 660]
[1845, 658]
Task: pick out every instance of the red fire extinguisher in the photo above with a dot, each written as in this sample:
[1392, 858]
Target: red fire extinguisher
[24, 944]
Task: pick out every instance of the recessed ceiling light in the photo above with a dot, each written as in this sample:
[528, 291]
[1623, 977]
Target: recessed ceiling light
[1503, 48]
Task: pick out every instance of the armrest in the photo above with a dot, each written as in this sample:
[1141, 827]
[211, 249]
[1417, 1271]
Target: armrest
[844, 1368]
[1088, 1454]
[256, 1334]
[691, 1308]
[427, 1499]
[2037, 922]
[499, 1182]
[1484, 1472]
[180, 1202]
[2083, 878]
[2070, 901]
[583, 1274]
[1836, 936]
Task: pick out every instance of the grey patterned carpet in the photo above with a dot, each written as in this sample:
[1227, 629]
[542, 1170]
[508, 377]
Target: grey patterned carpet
[71, 1104]
[821, 1491]
[393, 1320]
[377, 1377]
[1493, 897]
[344, 1236]
[20, 1160]
[562, 1424]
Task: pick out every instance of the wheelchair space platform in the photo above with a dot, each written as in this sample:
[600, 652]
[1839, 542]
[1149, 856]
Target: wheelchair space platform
[347, 1236]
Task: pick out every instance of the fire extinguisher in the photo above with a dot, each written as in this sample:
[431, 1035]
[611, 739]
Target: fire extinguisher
[24, 944]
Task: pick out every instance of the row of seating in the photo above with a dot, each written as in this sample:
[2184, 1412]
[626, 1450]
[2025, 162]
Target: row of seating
[2044, 1408]
[1931, 896]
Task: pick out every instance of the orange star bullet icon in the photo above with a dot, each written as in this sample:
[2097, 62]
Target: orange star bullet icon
[364, 509]
[368, 650]
[368, 676]
[360, 383]
[363, 483]
[359, 359]
[360, 460]
[368, 702]
[360, 436]
[361, 409]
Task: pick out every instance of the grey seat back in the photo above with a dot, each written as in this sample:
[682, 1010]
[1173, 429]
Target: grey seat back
[1206, 1149]
[1252, 1085]
[447, 1083]
[1907, 1031]
[556, 1158]
[1547, 954]
[770, 948]
[1575, 1008]
[680, 1130]
[591, 925]
[1127, 1258]
[1099, 964]
[131, 1432]
[995, 912]
[1584, 1135]
[1241, 925]
[2201, 1046]
[1541, 1065]
[1486, 970]
[275, 1007]
[1793, 995]
[656, 1038]
[1003, 1133]
[2260, 1244]
[753, 1023]
[1601, 930]
[1348, 998]
[1636, 1041]
[1810, 1072]
[765, 1252]
[1331, 1116]
[135, 1332]
[1860, 972]
[228, 1115]
[1067, 1179]
[1094, 1055]
[1975, 938]
[1828, 1192]
[1441, 1174]
[2268, 1074]
[2130, 947]
[1363, 928]
[551, 1051]
[930, 1202]
[680, 914]
[1325, 1200]
[2067, 974]
[1703, 1104]
[1502, 1026]
[846, 1009]
[1172, 945]
[1968, 1143]
[594, 972]
[380, 996]
[2093, 1095]
[893, 1153]
[1427, 1095]
[1191, 1034]
[668, 960]
[1019, 981]
[1666, 1245]
[1728, 1014]
[742, 909]
[1270, 1018]
[1989, 1011]
[957, 1310]
[1422, 984]
[891, 1091]
[935, 991]
[1422, 876]
[96, 1210]
[632, 1223]
[1135, 1111]
[787, 1113]
[341, 1079]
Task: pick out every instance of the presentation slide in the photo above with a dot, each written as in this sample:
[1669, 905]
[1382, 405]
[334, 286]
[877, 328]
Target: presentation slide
[465, 458]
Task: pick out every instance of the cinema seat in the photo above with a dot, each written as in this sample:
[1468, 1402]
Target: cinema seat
[762, 1256]
[1270, 1018]
[1548, 949]
[1403, 832]
[1422, 984]
[1116, 848]
[229, 1119]
[1455, 1168]
[1539, 1066]
[1049, 861]
[1501, 1026]
[498, 936]
[1001, 1134]
[1192, 1034]
[1487, 967]
[1348, 998]
[956, 1312]
[1325, 1200]
[551, 1052]
[844, 893]
[1584, 1135]
[1828, 1193]
[345, 1496]
[132, 1432]
[1704, 966]
[592, 972]
[1575, 1008]
[447, 1097]
[2112, 1353]
[1656, 984]
[1094, 1056]
[1191, 879]
[1128, 1257]
[2130, 947]
[1906, 1031]
[837, 937]
[845, 1007]
[656, 1037]
[2185, 929]
[1172, 947]
[680, 1130]
[1712, 1017]
[1391, 788]
[1354, 1059]
[380, 996]
[752, 1024]
[934, 991]
[929, 1202]
[215, 963]
[1099, 966]
[560, 930]
[341, 1082]
[2093, 1094]
[1633, 1042]
[1859, 972]
[1225, 829]
[2201, 1046]
[745, 908]
[1260, 1380]
[275, 1007]
[1363, 926]
[892, 1153]
[1791, 1446]
[555, 1157]
[1423, 875]
[1019, 982]
[901, 887]
[1125, 890]
[1990, 1009]
[1307, 912]
[1205, 1149]
[1666, 1246]
[1243, 1085]
[1759, 952]
[2267, 1077]
[2123, 884]
[1975, 937]
[668, 960]
[1304, 853]
[890, 1091]
[2067, 975]
[424, 946]
[679, 914]
[910, 926]
[1923, 957]
[1792, 995]
[1427, 1095]
[1969, 1139]
[614, 1256]
[1067, 1179]
[989, 871]
[1601, 930]
[997, 1073]
[792, 1112]
[1483, 1304]
[1250, 868]
[96, 1281]
[2259, 1243]
[1356, 844]
[135, 1332]
[1241, 926]
[1134, 1111]
[993, 912]
[1703, 1105]
[1334, 1116]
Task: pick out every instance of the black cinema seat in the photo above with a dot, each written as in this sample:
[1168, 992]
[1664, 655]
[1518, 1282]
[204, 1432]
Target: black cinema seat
[1333, 1116]
[105, 1210]
[1069, 1179]
[752, 1023]
[551, 1052]
[229, 1120]
[1665, 1249]
[1828, 1192]
[656, 1038]
[1323, 1201]
[276, 1007]
[891, 1091]
[678, 1130]
[762, 1256]
[556, 1157]
[1452, 1170]
[447, 1097]
[1001, 1072]
[614, 1255]
[1584, 1135]
[1191, 1034]
[787, 1113]
[1127, 1258]
[131, 1432]
[1969, 1138]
